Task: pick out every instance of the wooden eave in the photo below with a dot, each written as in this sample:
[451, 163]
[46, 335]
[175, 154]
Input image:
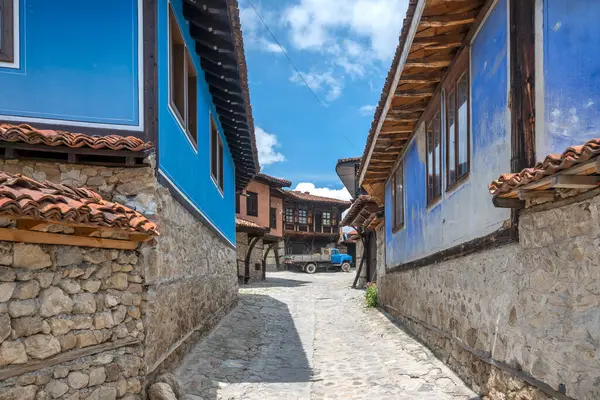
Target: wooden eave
[25, 230]
[581, 177]
[442, 29]
[214, 26]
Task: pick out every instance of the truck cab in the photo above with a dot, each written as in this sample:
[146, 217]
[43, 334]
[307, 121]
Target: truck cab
[338, 258]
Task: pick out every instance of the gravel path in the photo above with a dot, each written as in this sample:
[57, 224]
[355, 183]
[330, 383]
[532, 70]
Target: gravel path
[300, 336]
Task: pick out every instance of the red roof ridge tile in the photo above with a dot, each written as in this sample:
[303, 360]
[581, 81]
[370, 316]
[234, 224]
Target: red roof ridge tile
[311, 197]
[27, 134]
[23, 197]
[552, 164]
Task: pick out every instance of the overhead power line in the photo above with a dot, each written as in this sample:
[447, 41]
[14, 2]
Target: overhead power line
[286, 54]
[293, 65]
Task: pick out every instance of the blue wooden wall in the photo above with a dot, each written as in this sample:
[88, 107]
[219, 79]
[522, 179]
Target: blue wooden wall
[466, 212]
[78, 64]
[186, 168]
[571, 74]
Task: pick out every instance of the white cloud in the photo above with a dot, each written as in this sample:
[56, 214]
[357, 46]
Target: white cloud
[320, 82]
[317, 24]
[254, 30]
[341, 194]
[267, 144]
[366, 110]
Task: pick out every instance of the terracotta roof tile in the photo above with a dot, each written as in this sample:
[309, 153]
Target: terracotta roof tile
[240, 222]
[348, 160]
[29, 135]
[22, 197]
[311, 197]
[272, 179]
[552, 164]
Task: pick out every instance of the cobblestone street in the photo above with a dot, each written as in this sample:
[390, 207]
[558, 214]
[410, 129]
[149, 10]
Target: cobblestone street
[300, 336]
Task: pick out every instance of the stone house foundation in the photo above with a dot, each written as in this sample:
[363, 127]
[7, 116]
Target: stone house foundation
[519, 321]
[102, 324]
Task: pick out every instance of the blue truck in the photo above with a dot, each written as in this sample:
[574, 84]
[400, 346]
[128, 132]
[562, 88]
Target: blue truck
[328, 258]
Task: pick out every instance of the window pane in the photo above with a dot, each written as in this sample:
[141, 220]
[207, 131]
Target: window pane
[177, 65]
[451, 113]
[252, 204]
[437, 156]
[220, 155]
[213, 150]
[273, 219]
[237, 203]
[192, 100]
[429, 163]
[398, 198]
[463, 128]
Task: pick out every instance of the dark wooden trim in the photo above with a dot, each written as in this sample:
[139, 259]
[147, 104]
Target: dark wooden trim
[10, 371]
[79, 155]
[522, 73]
[191, 209]
[7, 46]
[503, 202]
[522, 96]
[150, 73]
[493, 240]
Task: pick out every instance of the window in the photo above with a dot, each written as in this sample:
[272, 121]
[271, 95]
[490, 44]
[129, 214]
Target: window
[457, 120]
[326, 218]
[7, 25]
[434, 159]
[216, 154]
[237, 203]
[289, 215]
[302, 217]
[273, 218]
[398, 198]
[183, 82]
[252, 204]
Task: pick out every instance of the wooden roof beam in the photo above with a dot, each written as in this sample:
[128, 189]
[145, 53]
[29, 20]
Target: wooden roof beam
[416, 93]
[439, 21]
[425, 77]
[429, 62]
[439, 39]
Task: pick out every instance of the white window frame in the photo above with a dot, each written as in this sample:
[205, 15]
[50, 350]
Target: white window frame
[215, 179]
[16, 59]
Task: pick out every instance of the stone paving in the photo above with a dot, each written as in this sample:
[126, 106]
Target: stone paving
[300, 336]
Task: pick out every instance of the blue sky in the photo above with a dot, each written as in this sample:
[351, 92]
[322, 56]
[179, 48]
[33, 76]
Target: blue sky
[343, 50]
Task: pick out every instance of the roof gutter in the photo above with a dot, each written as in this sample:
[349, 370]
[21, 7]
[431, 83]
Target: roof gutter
[405, 51]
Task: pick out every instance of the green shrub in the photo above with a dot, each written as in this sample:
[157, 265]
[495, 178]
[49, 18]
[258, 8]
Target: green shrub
[371, 295]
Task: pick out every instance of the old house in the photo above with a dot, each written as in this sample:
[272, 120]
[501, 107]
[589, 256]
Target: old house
[259, 227]
[311, 222]
[127, 119]
[503, 290]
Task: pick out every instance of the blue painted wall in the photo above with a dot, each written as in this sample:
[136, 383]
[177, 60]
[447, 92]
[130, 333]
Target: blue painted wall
[78, 63]
[187, 168]
[466, 212]
[571, 74]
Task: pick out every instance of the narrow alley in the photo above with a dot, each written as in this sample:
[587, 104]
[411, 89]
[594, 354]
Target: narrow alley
[300, 336]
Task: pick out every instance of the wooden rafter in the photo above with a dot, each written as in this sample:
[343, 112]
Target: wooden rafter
[424, 77]
[429, 62]
[439, 39]
[417, 93]
[438, 21]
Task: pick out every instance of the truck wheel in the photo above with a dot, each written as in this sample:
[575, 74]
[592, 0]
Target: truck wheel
[346, 267]
[310, 268]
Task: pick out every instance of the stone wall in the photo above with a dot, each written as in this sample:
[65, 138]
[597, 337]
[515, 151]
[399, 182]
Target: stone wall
[256, 258]
[65, 314]
[190, 274]
[532, 308]
[192, 283]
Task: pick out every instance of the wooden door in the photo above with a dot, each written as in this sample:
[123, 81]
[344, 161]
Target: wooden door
[371, 256]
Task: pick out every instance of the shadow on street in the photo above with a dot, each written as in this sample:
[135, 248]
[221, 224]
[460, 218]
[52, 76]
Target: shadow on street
[257, 342]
